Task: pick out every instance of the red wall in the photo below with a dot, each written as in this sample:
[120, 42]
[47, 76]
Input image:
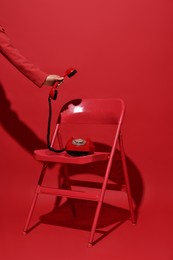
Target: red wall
[120, 49]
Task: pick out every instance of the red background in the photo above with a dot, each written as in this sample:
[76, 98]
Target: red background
[120, 49]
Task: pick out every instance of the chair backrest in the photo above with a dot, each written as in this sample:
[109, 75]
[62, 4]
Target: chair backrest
[87, 111]
[92, 111]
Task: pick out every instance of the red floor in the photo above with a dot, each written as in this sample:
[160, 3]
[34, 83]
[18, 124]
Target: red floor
[60, 236]
[150, 239]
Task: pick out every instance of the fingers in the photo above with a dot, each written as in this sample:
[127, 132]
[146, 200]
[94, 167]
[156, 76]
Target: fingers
[51, 79]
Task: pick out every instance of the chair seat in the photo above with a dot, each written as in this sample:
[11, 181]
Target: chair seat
[46, 155]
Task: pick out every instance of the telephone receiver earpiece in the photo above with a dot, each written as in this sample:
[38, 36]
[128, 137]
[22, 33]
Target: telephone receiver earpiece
[54, 92]
[70, 73]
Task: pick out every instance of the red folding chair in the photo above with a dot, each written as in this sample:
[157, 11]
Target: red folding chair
[85, 112]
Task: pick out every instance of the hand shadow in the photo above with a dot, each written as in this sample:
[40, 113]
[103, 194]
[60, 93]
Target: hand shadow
[17, 129]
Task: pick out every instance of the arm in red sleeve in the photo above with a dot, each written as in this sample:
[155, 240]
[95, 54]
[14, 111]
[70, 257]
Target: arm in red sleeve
[19, 61]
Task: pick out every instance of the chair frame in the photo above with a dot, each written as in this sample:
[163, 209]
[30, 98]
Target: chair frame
[69, 193]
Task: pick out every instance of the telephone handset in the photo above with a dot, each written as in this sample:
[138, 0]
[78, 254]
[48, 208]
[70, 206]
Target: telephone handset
[54, 90]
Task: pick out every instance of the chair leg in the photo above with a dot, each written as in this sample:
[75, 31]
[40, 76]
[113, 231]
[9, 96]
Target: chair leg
[99, 205]
[35, 198]
[95, 221]
[127, 180]
[100, 202]
[68, 186]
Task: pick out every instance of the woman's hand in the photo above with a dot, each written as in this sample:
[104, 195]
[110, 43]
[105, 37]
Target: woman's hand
[51, 79]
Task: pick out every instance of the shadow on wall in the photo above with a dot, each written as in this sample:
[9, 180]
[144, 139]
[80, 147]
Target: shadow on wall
[15, 127]
[111, 215]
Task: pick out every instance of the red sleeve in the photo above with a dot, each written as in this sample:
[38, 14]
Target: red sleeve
[19, 61]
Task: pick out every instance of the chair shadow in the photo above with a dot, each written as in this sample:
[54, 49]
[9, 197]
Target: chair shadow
[116, 175]
[111, 217]
[85, 210]
[17, 129]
